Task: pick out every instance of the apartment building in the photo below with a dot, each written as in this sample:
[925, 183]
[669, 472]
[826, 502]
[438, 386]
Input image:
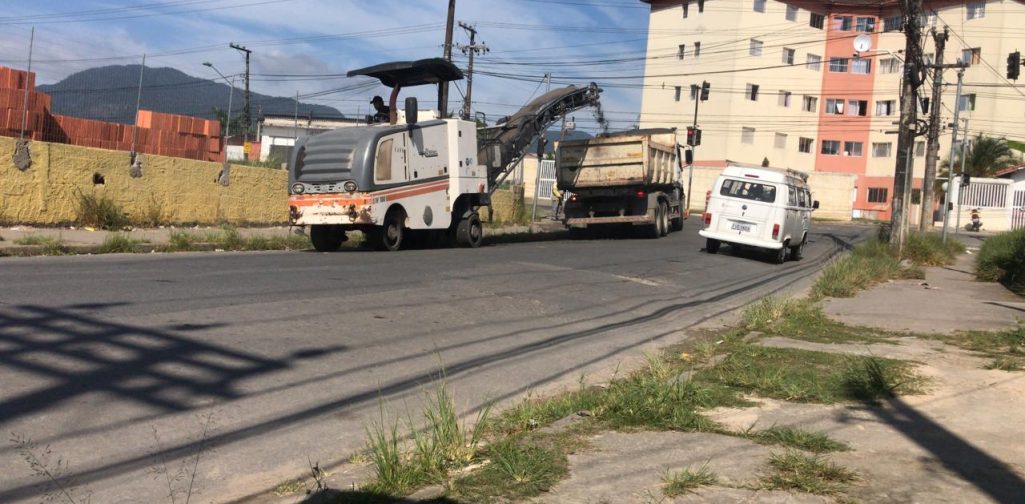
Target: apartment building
[787, 84]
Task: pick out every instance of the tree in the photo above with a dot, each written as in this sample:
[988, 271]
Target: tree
[984, 157]
[236, 123]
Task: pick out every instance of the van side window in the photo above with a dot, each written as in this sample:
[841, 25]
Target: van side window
[807, 198]
[802, 198]
[792, 195]
[744, 189]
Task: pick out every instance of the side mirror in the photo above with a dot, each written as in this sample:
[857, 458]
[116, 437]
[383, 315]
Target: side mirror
[815, 205]
[411, 110]
[688, 156]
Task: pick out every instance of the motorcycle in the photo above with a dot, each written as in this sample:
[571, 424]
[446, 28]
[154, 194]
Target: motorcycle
[975, 224]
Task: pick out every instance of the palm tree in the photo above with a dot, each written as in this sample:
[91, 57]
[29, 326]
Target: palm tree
[984, 156]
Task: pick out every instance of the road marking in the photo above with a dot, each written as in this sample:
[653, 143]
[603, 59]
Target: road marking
[642, 281]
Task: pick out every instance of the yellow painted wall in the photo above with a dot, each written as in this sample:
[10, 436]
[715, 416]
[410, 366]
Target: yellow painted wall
[182, 190]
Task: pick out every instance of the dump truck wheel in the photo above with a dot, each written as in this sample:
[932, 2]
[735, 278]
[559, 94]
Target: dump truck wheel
[663, 219]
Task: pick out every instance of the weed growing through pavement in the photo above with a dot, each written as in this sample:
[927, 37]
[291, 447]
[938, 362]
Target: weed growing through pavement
[50, 245]
[101, 212]
[119, 243]
[815, 442]
[180, 479]
[58, 481]
[814, 474]
[687, 480]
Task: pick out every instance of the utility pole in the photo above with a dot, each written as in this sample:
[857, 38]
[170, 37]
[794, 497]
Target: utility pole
[908, 120]
[245, 109]
[950, 163]
[933, 147]
[447, 54]
[961, 184]
[470, 50]
[700, 94]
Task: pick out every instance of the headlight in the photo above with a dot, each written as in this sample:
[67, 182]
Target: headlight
[350, 186]
[298, 188]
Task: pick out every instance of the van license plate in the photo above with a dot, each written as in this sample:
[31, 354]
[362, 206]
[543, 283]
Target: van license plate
[740, 226]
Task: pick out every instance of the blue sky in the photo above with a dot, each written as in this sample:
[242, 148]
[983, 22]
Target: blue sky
[297, 44]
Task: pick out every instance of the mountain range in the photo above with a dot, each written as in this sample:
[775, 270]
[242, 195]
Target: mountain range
[109, 93]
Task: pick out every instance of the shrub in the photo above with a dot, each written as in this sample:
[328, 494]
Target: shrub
[101, 212]
[1002, 259]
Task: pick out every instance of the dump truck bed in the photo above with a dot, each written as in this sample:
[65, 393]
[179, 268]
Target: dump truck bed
[636, 158]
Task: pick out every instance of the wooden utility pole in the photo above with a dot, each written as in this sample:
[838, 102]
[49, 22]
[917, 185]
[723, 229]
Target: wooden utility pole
[470, 50]
[245, 108]
[932, 152]
[447, 54]
[911, 10]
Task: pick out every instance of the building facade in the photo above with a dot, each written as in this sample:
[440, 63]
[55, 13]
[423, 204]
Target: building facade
[788, 85]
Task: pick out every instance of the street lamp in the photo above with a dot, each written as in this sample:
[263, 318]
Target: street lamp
[227, 125]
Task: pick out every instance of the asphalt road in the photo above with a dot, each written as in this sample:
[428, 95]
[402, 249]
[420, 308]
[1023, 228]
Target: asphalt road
[126, 364]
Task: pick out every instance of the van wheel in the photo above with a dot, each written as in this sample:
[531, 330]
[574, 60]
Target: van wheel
[712, 246]
[327, 238]
[469, 232]
[797, 253]
[781, 254]
[664, 218]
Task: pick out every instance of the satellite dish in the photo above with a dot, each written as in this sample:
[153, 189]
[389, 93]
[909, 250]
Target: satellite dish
[862, 43]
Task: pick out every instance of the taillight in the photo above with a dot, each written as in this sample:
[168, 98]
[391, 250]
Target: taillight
[573, 197]
[640, 194]
[775, 231]
[708, 218]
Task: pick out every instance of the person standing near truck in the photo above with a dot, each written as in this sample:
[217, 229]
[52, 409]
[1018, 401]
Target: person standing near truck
[556, 201]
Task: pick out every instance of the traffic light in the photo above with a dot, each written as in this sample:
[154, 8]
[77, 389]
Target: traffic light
[704, 92]
[693, 136]
[965, 179]
[1013, 65]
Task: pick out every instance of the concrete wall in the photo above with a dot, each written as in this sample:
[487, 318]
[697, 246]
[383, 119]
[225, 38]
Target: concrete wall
[181, 190]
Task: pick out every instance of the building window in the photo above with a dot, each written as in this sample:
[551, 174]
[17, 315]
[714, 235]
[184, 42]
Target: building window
[810, 103]
[678, 92]
[831, 147]
[756, 47]
[681, 51]
[893, 23]
[877, 194]
[747, 135]
[759, 5]
[697, 49]
[686, 5]
[852, 149]
[814, 62]
[861, 66]
[843, 23]
[857, 107]
[929, 58]
[781, 141]
[791, 12]
[701, 6]
[886, 107]
[752, 92]
[834, 106]
[804, 144]
[838, 64]
[866, 24]
[919, 148]
[916, 196]
[784, 98]
[816, 20]
[880, 149]
[966, 102]
[788, 55]
[972, 56]
[695, 90]
[976, 10]
[889, 65]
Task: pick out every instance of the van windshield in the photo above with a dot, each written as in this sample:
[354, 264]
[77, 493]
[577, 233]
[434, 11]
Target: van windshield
[745, 189]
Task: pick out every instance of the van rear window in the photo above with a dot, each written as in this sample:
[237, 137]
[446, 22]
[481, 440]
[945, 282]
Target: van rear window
[745, 189]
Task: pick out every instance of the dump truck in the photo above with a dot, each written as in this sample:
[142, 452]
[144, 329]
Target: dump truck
[626, 180]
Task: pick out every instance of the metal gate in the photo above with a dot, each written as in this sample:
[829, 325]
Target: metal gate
[547, 179]
[1018, 211]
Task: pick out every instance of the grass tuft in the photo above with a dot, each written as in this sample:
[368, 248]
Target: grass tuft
[793, 470]
[790, 437]
[119, 243]
[519, 467]
[687, 481]
[52, 246]
[1006, 364]
[1002, 259]
[101, 212]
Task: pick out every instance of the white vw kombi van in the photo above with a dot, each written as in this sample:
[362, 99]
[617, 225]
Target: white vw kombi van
[767, 208]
